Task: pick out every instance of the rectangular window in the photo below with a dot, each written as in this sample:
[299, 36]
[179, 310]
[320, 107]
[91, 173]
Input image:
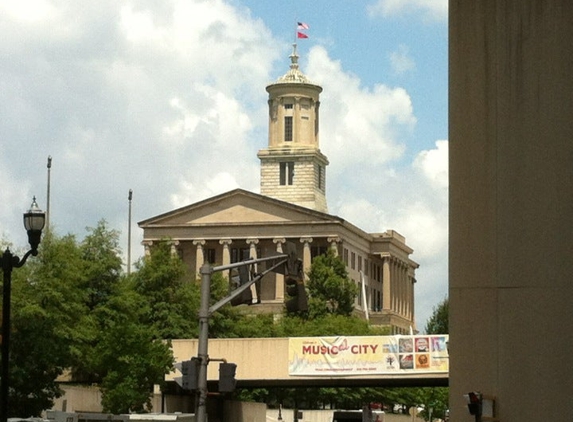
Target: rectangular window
[320, 177]
[243, 254]
[345, 255]
[359, 263]
[210, 256]
[288, 128]
[286, 176]
[352, 260]
[317, 250]
[239, 254]
[288, 106]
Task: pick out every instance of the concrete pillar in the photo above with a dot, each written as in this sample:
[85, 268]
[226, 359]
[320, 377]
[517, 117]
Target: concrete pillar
[511, 206]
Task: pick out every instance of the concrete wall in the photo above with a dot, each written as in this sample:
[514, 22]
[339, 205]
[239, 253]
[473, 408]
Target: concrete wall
[511, 206]
[79, 398]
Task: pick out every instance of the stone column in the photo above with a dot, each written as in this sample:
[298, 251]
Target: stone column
[147, 244]
[279, 278]
[386, 299]
[334, 241]
[402, 296]
[199, 255]
[174, 244]
[306, 255]
[296, 120]
[226, 254]
[256, 289]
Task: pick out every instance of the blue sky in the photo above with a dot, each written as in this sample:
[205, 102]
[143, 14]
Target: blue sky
[168, 98]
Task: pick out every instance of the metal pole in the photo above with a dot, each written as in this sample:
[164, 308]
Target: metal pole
[129, 196]
[202, 347]
[48, 194]
[7, 261]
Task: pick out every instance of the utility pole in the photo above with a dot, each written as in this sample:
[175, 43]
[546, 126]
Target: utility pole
[48, 194]
[129, 196]
[205, 312]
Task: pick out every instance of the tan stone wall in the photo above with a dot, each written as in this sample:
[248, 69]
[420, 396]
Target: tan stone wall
[511, 206]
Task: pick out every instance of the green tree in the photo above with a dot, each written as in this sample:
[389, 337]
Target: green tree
[438, 321]
[46, 310]
[100, 253]
[171, 297]
[330, 289]
[128, 355]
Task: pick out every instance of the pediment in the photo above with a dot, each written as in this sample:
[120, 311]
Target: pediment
[237, 207]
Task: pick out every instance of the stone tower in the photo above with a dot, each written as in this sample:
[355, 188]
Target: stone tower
[292, 167]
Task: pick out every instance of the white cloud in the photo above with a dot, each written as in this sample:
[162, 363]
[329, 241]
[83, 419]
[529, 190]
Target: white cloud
[400, 60]
[27, 10]
[167, 98]
[434, 164]
[431, 9]
[359, 126]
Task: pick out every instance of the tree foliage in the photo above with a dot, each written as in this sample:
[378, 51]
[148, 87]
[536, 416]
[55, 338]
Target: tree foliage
[170, 296]
[438, 321]
[73, 308]
[331, 290]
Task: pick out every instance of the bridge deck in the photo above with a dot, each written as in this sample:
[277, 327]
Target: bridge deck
[264, 362]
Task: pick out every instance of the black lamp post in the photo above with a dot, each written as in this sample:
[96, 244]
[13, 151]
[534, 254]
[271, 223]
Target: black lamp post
[34, 221]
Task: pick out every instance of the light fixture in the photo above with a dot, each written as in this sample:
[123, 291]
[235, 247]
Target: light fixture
[34, 221]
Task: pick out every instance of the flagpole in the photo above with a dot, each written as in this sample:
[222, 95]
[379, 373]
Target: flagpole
[295, 29]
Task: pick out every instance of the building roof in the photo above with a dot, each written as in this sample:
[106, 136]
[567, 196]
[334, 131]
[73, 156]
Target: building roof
[242, 213]
[294, 74]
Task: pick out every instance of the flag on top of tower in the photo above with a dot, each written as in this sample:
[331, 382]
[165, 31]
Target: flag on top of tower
[301, 35]
[302, 26]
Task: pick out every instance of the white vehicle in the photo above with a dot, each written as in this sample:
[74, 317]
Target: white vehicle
[358, 416]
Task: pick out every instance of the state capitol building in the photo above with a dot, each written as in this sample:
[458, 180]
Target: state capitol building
[292, 207]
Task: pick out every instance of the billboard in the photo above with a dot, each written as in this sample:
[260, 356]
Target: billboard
[368, 355]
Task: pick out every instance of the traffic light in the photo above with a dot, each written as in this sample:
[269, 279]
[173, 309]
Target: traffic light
[242, 276]
[475, 404]
[298, 301]
[293, 264]
[190, 372]
[227, 381]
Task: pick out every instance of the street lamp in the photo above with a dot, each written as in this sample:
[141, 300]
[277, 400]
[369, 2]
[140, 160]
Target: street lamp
[34, 221]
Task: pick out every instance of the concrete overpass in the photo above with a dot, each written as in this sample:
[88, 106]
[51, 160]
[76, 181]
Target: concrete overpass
[264, 362]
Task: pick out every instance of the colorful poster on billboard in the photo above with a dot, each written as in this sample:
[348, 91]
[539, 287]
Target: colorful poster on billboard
[347, 356]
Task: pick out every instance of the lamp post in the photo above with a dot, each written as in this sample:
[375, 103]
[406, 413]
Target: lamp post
[34, 221]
